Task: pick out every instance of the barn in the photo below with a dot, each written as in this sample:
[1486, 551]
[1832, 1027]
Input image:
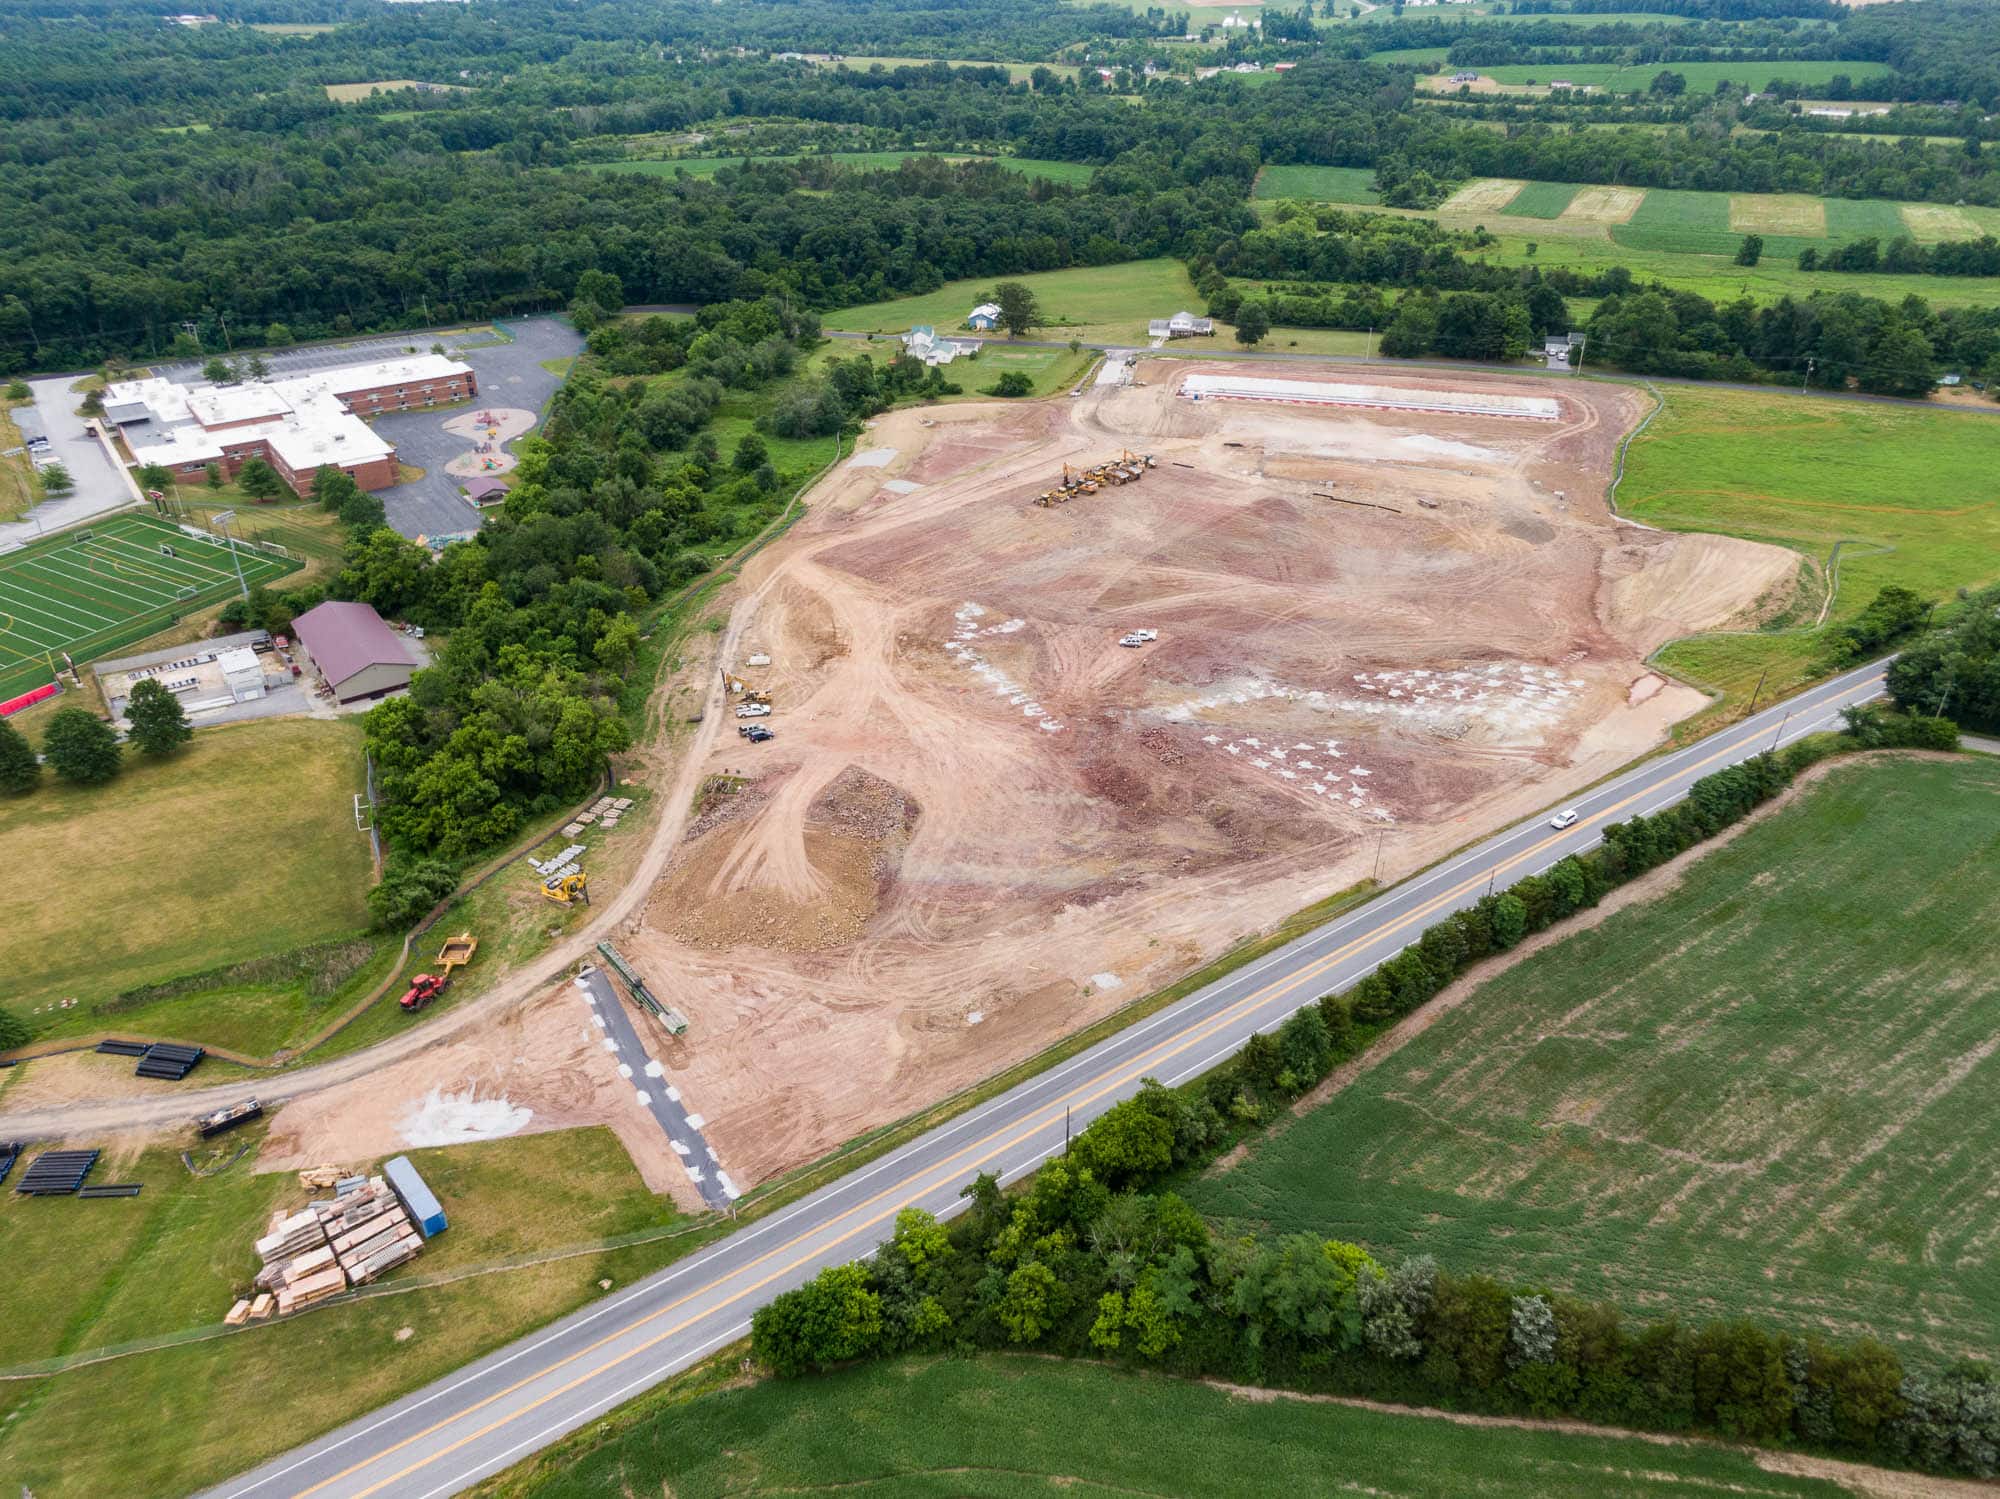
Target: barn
[356, 655]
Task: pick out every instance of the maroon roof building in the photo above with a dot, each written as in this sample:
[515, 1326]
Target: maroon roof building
[354, 652]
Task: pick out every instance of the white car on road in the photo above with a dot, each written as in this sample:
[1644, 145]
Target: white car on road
[1563, 819]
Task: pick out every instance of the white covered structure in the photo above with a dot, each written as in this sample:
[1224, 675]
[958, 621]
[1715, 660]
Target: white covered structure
[1181, 325]
[1234, 387]
[242, 673]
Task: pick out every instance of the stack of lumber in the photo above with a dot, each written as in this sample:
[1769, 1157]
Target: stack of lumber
[328, 1246]
[299, 1265]
[369, 1232]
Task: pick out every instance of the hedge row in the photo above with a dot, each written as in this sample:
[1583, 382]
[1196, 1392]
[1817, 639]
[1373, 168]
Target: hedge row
[1091, 1260]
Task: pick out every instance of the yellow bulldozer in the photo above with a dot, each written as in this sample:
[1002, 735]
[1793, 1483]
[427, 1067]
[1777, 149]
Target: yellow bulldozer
[568, 889]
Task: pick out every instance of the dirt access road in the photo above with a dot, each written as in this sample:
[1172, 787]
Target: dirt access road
[984, 824]
[478, 1049]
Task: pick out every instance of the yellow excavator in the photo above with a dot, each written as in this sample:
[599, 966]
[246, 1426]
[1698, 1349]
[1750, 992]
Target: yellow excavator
[568, 889]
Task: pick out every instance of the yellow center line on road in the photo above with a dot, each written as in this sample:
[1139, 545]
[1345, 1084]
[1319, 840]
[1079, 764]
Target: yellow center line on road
[1017, 1133]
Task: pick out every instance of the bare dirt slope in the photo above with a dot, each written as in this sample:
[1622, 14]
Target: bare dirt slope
[984, 824]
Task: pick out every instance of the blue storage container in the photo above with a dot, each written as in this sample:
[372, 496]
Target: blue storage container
[419, 1201]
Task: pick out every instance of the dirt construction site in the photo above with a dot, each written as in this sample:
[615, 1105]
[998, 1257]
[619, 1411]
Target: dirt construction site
[1383, 620]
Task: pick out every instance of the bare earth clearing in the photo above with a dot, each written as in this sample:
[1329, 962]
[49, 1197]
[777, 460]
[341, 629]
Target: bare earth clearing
[983, 824]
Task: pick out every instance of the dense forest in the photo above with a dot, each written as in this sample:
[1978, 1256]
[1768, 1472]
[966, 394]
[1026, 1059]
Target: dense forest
[203, 175]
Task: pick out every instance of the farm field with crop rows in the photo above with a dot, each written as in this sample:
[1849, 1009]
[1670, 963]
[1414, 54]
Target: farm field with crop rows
[1764, 1091]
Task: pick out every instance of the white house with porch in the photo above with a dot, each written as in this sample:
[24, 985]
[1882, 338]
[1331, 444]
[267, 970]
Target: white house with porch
[1180, 325]
[922, 342]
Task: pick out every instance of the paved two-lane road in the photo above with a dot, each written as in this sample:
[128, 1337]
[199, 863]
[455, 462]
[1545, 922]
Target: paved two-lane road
[492, 1413]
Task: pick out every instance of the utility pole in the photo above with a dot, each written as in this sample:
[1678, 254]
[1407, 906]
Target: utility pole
[1808, 381]
[1380, 839]
[1781, 731]
[1582, 344]
[1759, 688]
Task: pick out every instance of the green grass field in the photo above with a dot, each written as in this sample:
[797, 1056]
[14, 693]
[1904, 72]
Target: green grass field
[1105, 303]
[996, 1427]
[1908, 490]
[1766, 1091]
[85, 1275]
[1542, 200]
[1715, 274]
[241, 845]
[1318, 184]
[1074, 172]
[90, 590]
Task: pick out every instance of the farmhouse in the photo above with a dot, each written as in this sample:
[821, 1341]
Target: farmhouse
[1182, 324]
[985, 317]
[355, 654]
[296, 425]
[922, 342]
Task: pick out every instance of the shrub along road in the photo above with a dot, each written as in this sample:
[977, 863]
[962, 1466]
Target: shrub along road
[442, 1439]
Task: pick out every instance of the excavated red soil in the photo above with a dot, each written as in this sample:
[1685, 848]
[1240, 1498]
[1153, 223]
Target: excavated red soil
[983, 823]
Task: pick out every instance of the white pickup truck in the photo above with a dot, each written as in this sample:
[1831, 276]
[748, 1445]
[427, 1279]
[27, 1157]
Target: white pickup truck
[753, 710]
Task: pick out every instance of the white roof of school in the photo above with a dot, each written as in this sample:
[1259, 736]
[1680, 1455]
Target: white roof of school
[304, 418]
[166, 400]
[414, 370]
[223, 405]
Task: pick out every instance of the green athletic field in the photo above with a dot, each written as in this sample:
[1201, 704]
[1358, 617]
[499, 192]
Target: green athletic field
[104, 585]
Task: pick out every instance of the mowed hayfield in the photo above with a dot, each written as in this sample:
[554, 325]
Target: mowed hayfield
[1075, 172]
[1767, 1091]
[239, 845]
[93, 1275]
[350, 93]
[1102, 303]
[1906, 491]
[998, 1427]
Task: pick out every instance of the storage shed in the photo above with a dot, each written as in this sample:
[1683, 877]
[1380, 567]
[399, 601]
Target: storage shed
[418, 1200]
[355, 653]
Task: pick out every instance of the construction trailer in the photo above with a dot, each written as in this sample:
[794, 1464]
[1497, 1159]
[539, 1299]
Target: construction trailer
[418, 1200]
